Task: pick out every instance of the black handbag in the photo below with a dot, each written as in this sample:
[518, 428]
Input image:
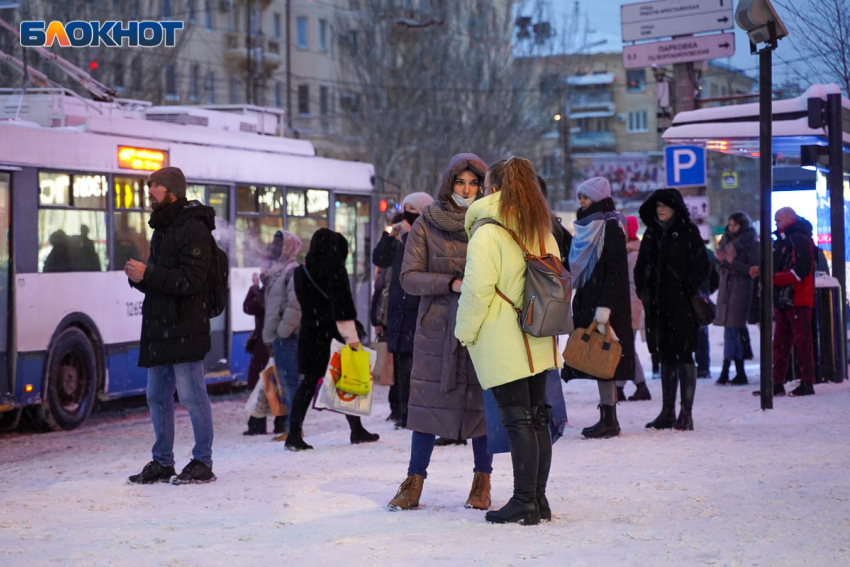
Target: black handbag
[703, 308]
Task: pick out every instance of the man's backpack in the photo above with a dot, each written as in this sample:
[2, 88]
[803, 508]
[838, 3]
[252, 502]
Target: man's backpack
[218, 277]
[546, 309]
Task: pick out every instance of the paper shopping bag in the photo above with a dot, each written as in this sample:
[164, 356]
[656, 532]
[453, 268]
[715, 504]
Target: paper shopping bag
[271, 387]
[383, 373]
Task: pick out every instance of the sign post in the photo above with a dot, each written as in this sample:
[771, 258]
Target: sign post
[682, 50]
[669, 18]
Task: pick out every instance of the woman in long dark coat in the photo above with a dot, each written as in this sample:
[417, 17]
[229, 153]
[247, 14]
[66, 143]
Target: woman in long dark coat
[671, 265]
[737, 253]
[327, 312]
[445, 396]
[600, 269]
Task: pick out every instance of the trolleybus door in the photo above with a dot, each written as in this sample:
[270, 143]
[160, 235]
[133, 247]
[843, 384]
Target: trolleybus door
[217, 359]
[353, 219]
[5, 283]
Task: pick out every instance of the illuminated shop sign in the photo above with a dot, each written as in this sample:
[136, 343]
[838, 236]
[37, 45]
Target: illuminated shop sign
[141, 158]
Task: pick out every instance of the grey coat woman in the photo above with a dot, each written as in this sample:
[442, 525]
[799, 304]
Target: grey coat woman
[445, 396]
[737, 253]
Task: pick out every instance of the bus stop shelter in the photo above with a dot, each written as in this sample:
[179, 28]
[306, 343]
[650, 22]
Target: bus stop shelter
[812, 132]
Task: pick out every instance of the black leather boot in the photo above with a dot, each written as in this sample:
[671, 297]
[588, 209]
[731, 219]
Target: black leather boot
[606, 427]
[724, 374]
[741, 374]
[669, 383]
[688, 381]
[540, 419]
[279, 424]
[525, 456]
[256, 426]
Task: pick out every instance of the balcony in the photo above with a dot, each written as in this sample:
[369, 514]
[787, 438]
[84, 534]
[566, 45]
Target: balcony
[591, 105]
[593, 140]
[266, 50]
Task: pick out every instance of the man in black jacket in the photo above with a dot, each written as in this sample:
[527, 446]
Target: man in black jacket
[176, 325]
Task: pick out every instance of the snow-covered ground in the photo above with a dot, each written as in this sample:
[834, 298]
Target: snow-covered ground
[745, 488]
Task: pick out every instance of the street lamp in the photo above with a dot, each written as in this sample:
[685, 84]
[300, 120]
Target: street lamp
[762, 24]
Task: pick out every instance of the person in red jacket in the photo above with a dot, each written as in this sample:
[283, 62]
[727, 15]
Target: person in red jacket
[793, 300]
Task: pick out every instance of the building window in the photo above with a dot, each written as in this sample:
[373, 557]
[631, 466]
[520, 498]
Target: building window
[276, 26]
[323, 35]
[208, 15]
[234, 90]
[134, 8]
[71, 222]
[636, 81]
[210, 88]
[166, 8]
[304, 100]
[191, 9]
[136, 70]
[549, 85]
[351, 40]
[323, 101]
[350, 102]
[170, 82]
[638, 121]
[119, 76]
[231, 19]
[194, 80]
[301, 33]
[278, 94]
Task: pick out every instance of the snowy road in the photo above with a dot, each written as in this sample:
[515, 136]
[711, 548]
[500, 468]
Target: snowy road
[745, 488]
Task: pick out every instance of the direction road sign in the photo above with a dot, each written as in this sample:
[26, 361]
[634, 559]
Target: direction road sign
[699, 207]
[684, 50]
[685, 166]
[666, 18]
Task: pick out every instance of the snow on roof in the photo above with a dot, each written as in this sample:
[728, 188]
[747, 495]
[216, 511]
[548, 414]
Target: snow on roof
[587, 80]
[591, 114]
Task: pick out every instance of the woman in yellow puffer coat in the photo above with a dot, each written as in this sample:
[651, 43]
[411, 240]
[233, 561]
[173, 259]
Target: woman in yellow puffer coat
[487, 325]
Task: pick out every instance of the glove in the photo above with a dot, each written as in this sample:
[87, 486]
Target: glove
[603, 314]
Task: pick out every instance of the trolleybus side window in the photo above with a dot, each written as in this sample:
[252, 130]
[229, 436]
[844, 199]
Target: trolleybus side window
[259, 215]
[306, 212]
[131, 230]
[71, 222]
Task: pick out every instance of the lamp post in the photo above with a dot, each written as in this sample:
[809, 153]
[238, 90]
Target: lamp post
[762, 24]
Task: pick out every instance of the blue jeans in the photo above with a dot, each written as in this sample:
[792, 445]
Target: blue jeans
[703, 350]
[286, 363]
[733, 344]
[422, 446]
[188, 379]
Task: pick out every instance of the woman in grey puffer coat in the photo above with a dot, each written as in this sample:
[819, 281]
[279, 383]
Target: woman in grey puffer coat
[445, 396]
[737, 253]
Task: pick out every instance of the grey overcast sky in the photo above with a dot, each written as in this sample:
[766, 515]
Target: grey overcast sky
[604, 17]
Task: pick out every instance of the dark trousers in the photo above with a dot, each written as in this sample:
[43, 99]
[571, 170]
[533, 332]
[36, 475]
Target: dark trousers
[703, 350]
[259, 359]
[422, 447]
[403, 365]
[793, 326]
[526, 393]
[303, 397]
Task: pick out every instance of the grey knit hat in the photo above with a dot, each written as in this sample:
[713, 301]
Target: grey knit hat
[596, 189]
[418, 201]
[171, 178]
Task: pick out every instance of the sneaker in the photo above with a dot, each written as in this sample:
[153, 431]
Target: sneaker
[804, 389]
[153, 473]
[778, 391]
[195, 472]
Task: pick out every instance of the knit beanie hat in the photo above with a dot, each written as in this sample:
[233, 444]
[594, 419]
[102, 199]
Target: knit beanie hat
[417, 200]
[632, 228]
[596, 189]
[172, 179]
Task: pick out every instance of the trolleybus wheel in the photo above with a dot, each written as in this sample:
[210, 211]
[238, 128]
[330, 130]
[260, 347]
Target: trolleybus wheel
[70, 380]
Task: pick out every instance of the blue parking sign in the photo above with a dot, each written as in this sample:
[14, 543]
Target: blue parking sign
[685, 166]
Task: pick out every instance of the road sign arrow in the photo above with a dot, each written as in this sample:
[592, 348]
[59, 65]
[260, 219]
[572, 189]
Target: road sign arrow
[724, 19]
[725, 45]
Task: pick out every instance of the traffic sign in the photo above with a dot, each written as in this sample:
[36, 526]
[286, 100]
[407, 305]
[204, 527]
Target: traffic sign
[698, 207]
[685, 166]
[684, 50]
[667, 18]
[729, 179]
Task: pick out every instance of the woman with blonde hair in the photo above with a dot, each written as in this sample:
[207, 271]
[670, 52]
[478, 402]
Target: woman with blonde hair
[487, 325]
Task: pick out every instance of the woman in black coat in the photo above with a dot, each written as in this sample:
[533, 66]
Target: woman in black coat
[600, 270]
[327, 312]
[671, 265]
[737, 253]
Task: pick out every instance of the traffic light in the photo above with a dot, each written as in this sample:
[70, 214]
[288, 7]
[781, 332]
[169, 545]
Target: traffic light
[383, 206]
[93, 65]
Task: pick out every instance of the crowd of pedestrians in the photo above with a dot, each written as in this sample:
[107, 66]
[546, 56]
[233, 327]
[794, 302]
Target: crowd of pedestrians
[453, 272]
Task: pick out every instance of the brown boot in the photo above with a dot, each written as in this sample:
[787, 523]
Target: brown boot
[479, 495]
[408, 493]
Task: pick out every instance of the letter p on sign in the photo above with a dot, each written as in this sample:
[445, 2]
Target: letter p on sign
[685, 166]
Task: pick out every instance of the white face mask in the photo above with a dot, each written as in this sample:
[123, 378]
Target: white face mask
[461, 202]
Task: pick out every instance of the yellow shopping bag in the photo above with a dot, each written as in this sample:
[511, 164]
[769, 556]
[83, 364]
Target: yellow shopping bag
[356, 376]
